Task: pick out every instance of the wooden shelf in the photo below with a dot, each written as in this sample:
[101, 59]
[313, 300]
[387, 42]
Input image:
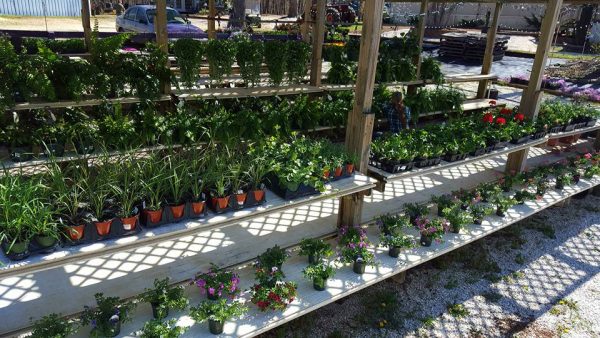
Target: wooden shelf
[66, 255]
[228, 93]
[469, 78]
[82, 103]
[576, 131]
[346, 282]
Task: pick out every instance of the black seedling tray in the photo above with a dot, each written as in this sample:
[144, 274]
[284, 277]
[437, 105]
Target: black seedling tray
[391, 167]
[455, 157]
[285, 193]
[33, 249]
[167, 216]
[90, 234]
[521, 140]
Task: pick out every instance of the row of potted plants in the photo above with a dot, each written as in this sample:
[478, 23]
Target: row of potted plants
[111, 196]
[561, 116]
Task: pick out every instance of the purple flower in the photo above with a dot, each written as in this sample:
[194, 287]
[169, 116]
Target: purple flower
[201, 283]
[93, 323]
[211, 291]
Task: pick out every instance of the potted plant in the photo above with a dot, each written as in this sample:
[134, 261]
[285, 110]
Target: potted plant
[432, 229]
[443, 202]
[275, 296]
[237, 180]
[43, 224]
[524, 195]
[20, 139]
[221, 56]
[351, 160]
[197, 183]
[164, 297]
[319, 273]
[542, 186]
[159, 329]
[217, 282]
[153, 180]
[108, 315]
[489, 191]
[52, 326]
[502, 204]
[177, 181]
[315, 249]
[415, 210]
[98, 190]
[220, 186]
[17, 197]
[479, 211]
[457, 217]
[354, 249]
[257, 170]
[126, 190]
[217, 313]
[272, 257]
[563, 179]
[396, 242]
[391, 224]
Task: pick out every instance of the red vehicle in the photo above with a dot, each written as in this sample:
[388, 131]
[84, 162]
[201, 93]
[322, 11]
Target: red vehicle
[336, 14]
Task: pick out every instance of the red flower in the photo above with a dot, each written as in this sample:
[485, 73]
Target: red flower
[488, 118]
[501, 121]
[519, 117]
[492, 102]
[262, 304]
[506, 111]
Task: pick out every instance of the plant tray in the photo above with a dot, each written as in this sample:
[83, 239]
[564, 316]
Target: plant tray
[390, 167]
[421, 163]
[570, 127]
[500, 145]
[456, 157]
[557, 129]
[580, 125]
[33, 248]
[287, 194]
[489, 149]
[90, 234]
[479, 151]
[167, 216]
[591, 123]
[521, 140]
[344, 174]
[538, 135]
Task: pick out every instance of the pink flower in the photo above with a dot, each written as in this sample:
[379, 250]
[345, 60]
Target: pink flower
[588, 156]
[211, 291]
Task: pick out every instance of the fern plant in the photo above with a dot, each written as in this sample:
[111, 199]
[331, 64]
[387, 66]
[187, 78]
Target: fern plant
[189, 54]
[249, 57]
[220, 55]
[275, 63]
[297, 55]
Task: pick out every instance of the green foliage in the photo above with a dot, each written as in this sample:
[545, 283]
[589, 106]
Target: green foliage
[249, 57]
[108, 310]
[220, 55]
[189, 54]
[297, 56]
[219, 310]
[159, 329]
[457, 310]
[276, 64]
[315, 247]
[321, 270]
[52, 326]
[165, 297]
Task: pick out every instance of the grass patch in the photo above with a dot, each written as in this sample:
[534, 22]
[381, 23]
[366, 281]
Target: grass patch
[492, 297]
[451, 284]
[457, 310]
[519, 259]
[428, 322]
[540, 224]
[380, 310]
[513, 276]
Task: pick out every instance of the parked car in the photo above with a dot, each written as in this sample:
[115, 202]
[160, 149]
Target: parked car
[140, 19]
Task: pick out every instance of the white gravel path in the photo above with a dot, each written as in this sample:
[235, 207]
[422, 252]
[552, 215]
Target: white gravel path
[527, 285]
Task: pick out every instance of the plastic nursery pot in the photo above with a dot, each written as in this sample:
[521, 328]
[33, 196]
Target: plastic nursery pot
[313, 259]
[349, 168]
[222, 202]
[240, 199]
[338, 172]
[394, 251]
[425, 240]
[75, 232]
[129, 222]
[559, 186]
[155, 312]
[198, 207]
[359, 267]
[455, 230]
[154, 215]
[45, 241]
[115, 329]
[319, 283]
[477, 221]
[576, 178]
[17, 248]
[20, 154]
[103, 228]
[500, 212]
[259, 195]
[215, 327]
[177, 210]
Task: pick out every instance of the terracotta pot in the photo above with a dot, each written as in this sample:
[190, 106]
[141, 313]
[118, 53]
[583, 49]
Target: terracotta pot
[350, 168]
[222, 202]
[177, 210]
[198, 207]
[103, 228]
[75, 232]
[153, 216]
[258, 195]
[325, 174]
[241, 198]
[338, 172]
[129, 222]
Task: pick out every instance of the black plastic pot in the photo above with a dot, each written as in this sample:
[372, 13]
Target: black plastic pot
[155, 312]
[520, 140]
[359, 267]
[83, 148]
[54, 150]
[500, 212]
[557, 129]
[115, 328]
[455, 230]
[477, 221]
[394, 251]
[559, 185]
[313, 259]
[215, 327]
[45, 241]
[212, 297]
[319, 284]
[21, 154]
[576, 178]
[425, 240]
[478, 152]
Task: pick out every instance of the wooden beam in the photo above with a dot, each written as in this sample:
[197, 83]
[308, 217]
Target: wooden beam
[488, 57]
[212, 14]
[530, 101]
[597, 141]
[162, 38]
[359, 129]
[317, 44]
[85, 20]
[421, 35]
[305, 29]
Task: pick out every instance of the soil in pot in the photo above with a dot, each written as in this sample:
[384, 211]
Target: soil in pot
[215, 327]
[129, 222]
[425, 240]
[45, 241]
[155, 312]
[103, 228]
[198, 207]
[359, 267]
[75, 232]
[154, 215]
[177, 210]
[319, 284]
[394, 252]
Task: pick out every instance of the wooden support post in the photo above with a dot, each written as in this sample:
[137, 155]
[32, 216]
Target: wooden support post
[597, 141]
[317, 44]
[359, 128]
[85, 20]
[421, 35]
[212, 14]
[162, 38]
[530, 101]
[488, 57]
[305, 29]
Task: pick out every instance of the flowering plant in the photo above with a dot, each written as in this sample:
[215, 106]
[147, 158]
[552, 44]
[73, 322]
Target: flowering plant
[391, 224]
[433, 228]
[322, 270]
[217, 282]
[219, 311]
[275, 297]
[415, 210]
[108, 312]
[355, 245]
[397, 240]
[457, 217]
[165, 297]
[315, 247]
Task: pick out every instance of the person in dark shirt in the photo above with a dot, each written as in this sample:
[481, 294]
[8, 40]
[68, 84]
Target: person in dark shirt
[119, 8]
[397, 113]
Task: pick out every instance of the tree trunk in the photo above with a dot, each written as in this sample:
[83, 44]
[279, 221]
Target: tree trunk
[585, 20]
[237, 18]
[293, 10]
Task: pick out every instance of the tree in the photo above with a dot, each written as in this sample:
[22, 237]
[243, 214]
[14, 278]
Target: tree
[293, 10]
[237, 16]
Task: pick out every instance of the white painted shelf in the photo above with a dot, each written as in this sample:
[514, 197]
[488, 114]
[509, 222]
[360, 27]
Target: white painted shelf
[66, 255]
[80, 103]
[345, 282]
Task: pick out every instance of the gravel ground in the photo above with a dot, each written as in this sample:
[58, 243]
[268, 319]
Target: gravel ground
[537, 278]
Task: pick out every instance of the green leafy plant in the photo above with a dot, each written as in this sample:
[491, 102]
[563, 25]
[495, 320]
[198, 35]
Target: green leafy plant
[103, 317]
[159, 329]
[273, 50]
[165, 297]
[355, 246]
[321, 270]
[249, 57]
[274, 297]
[52, 326]
[189, 54]
[153, 171]
[457, 217]
[317, 248]
[479, 211]
[219, 311]
[220, 55]
[431, 70]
